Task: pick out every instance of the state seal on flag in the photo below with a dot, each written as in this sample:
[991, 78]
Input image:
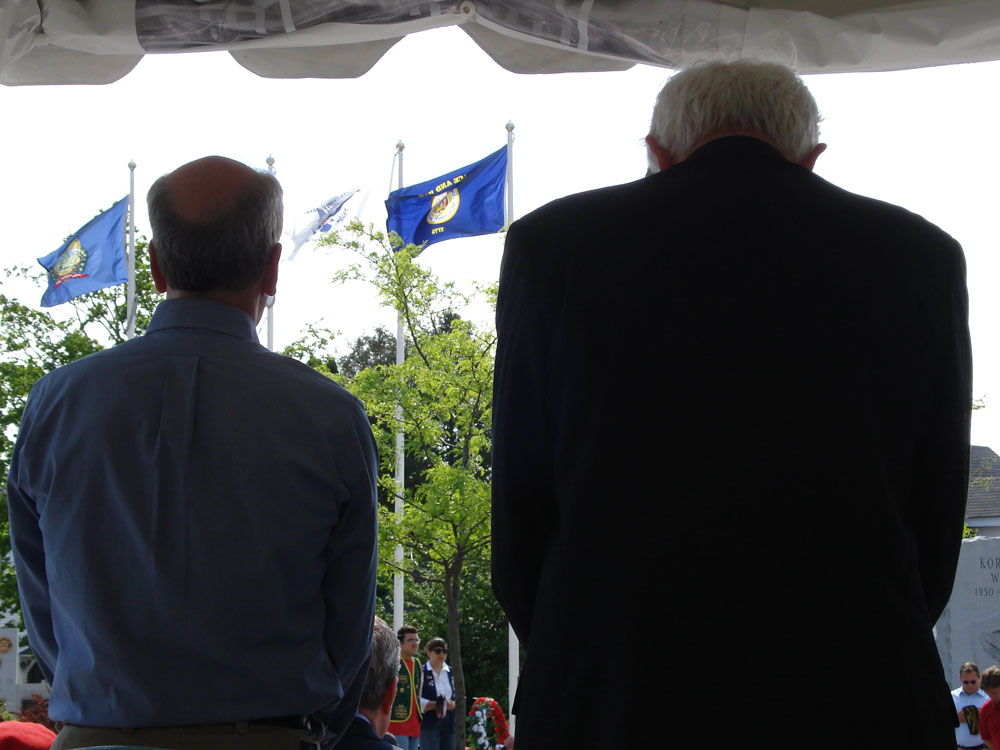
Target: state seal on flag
[70, 264]
[443, 207]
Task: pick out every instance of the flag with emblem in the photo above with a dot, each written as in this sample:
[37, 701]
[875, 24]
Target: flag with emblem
[323, 218]
[93, 258]
[463, 203]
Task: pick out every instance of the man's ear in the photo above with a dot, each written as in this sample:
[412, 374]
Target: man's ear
[810, 161]
[663, 157]
[154, 268]
[270, 279]
[385, 706]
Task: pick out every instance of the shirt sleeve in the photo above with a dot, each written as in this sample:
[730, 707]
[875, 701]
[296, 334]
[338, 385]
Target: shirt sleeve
[29, 555]
[349, 582]
[942, 484]
[524, 503]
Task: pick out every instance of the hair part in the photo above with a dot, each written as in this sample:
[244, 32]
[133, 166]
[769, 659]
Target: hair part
[745, 95]
[969, 666]
[383, 667]
[990, 678]
[227, 253]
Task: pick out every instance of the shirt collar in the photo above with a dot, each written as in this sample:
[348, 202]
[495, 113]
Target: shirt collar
[735, 143]
[196, 312]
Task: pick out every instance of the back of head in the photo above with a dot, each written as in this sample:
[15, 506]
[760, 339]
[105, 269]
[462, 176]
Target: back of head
[383, 667]
[990, 679]
[215, 223]
[748, 96]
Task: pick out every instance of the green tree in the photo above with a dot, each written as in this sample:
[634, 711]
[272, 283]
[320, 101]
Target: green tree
[445, 388]
[33, 343]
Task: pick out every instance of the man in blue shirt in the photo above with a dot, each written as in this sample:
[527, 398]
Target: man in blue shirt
[968, 699]
[193, 518]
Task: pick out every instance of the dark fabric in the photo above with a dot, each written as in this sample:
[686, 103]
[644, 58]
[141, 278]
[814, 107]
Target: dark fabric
[361, 736]
[731, 427]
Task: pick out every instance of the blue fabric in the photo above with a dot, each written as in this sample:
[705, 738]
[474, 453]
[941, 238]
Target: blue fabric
[193, 522]
[93, 258]
[463, 203]
[408, 743]
[361, 736]
[439, 736]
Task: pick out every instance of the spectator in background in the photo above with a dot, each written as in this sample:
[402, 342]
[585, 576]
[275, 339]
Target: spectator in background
[437, 692]
[968, 698]
[405, 719]
[989, 714]
[371, 722]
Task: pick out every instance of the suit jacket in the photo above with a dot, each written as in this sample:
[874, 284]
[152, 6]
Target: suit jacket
[361, 736]
[731, 429]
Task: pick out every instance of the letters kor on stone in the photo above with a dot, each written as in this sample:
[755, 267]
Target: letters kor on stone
[969, 628]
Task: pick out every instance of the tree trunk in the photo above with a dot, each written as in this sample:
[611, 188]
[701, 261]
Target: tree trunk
[453, 590]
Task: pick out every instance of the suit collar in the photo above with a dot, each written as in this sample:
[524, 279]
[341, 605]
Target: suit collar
[735, 145]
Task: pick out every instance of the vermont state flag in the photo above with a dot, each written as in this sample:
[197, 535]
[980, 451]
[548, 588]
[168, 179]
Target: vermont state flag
[93, 258]
[463, 203]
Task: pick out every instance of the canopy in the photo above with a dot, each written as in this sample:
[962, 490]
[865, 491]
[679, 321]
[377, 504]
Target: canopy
[99, 41]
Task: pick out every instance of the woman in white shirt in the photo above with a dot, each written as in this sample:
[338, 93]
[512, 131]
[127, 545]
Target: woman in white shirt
[437, 692]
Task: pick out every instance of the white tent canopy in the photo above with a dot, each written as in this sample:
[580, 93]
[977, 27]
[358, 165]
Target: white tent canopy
[99, 41]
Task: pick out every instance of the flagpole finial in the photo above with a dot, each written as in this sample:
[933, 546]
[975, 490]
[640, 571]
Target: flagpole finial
[131, 164]
[270, 163]
[400, 146]
[509, 126]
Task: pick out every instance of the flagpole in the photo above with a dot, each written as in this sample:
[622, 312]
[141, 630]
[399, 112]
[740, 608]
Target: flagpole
[130, 287]
[397, 608]
[270, 297]
[513, 647]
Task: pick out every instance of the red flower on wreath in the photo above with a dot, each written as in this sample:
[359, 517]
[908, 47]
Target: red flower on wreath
[495, 712]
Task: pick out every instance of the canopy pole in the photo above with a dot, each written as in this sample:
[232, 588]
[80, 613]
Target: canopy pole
[397, 609]
[513, 647]
[270, 298]
[130, 304]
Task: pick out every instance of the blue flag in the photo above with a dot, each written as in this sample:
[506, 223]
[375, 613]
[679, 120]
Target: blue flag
[93, 258]
[463, 203]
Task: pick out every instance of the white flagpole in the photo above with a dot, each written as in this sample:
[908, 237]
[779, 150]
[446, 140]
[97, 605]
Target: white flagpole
[130, 287]
[270, 297]
[397, 608]
[513, 647]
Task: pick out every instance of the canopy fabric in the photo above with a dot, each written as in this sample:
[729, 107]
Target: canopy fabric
[99, 41]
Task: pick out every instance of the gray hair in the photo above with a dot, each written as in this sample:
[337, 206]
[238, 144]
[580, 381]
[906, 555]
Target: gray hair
[230, 251]
[383, 667]
[750, 95]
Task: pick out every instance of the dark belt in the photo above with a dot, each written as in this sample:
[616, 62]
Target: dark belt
[971, 747]
[291, 722]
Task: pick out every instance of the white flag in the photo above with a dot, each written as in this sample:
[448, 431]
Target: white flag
[320, 219]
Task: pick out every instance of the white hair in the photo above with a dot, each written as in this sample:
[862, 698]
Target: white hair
[745, 95]
[383, 667]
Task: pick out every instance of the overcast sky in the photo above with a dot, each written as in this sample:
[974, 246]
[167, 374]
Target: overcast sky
[923, 139]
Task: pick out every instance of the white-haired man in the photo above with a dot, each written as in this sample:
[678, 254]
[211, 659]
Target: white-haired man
[193, 518]
[732, 410]
[372, 719]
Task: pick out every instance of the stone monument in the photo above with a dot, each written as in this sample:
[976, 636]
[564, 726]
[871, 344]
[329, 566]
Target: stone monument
[969, 628]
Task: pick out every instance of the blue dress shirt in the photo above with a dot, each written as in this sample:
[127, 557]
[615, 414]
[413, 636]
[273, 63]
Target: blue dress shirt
[193, 521]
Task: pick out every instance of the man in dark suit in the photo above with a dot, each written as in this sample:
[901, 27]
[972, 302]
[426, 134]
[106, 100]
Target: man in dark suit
[372, 719]
[731, 422]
